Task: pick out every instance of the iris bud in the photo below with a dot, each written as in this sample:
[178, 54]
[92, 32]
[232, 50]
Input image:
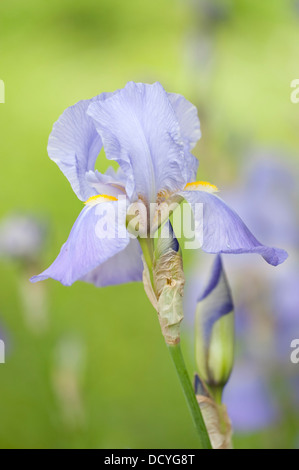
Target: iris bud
[214, 330]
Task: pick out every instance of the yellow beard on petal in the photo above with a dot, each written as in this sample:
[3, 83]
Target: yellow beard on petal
[98, 199]
[201, 186]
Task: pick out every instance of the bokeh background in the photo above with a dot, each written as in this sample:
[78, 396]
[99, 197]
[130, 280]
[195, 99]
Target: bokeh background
[88, 367]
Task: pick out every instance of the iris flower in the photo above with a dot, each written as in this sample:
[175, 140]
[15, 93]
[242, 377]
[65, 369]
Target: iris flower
[150, 133]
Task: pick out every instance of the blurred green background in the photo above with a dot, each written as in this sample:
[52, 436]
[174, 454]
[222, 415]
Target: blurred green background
[94, 370]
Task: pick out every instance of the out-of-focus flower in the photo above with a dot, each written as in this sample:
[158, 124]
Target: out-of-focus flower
[200, 45]
[150, 133]
[268, 198]
[212, 11]
[67, 376]
[267, 316]
[249, 400]
[214, 330]
[284, 303]
[266, 303]
[22, 237]
[273, 300]
[35, 305]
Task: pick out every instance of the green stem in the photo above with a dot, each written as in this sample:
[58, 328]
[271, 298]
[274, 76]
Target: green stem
[216, 393]
[178, 360]
[147, 246]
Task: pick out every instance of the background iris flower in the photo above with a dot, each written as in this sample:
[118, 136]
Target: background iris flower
[150, 134]
[248, 398]
[266, 303]
[22, 237]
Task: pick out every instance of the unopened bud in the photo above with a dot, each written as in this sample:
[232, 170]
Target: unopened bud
[214, 329]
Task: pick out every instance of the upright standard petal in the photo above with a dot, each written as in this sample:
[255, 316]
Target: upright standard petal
[224, 232]
[94, 238]
[140, 130]
[125, 266]
[187, 117]
[74, 145]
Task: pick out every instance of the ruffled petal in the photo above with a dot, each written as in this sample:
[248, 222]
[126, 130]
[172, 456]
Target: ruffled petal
[111, 183]
[125, 266]
[140, 130]
[96, 236]
[186, 114]
[188, 120]
[224, 232]
[75, 145]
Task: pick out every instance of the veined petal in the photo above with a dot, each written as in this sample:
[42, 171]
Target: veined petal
[191, 166]
[74, 145]
[225, 232]
[95, 237]
[140, 130]
[125, 266]
[187, 117]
